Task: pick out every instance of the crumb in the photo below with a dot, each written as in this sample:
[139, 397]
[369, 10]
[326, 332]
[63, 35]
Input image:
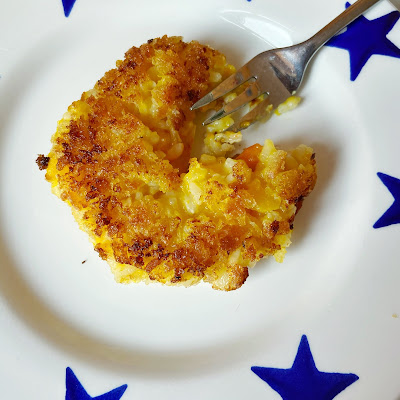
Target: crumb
[42, 161]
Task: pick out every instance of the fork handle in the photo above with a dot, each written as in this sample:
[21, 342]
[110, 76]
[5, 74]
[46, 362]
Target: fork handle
[340, 22]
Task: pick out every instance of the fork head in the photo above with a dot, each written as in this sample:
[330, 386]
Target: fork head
[269, 74]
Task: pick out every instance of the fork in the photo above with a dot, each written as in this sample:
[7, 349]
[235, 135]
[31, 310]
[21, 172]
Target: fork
[276, 74]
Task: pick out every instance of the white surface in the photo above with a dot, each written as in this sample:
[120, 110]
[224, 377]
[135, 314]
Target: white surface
[338, 284]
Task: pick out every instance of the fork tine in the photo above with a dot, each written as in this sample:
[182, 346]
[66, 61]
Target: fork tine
[251, 93]
[261, 110]
[242, 75]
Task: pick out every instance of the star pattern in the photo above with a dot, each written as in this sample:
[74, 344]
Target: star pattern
[75, 390]
[364, 38]
[392, 214]
[303, 381]
[68, 4]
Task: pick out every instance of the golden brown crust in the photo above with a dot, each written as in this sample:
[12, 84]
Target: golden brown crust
[118, 157]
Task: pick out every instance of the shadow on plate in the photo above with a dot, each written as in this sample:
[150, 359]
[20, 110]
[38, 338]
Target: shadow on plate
[327, 158]
[41, 320]
[327, 161]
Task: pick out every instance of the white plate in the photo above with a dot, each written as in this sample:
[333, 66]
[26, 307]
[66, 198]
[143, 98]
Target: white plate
[338, 284]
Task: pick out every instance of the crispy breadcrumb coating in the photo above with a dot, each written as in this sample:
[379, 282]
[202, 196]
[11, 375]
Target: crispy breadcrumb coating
[120, 159]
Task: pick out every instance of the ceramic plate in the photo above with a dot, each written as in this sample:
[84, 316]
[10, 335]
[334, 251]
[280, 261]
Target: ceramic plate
[323, 324]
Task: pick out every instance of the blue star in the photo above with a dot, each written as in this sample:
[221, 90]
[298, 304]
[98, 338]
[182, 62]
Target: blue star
[392, 214]
[303, 381]
[68, 4]
[364, 38]
[75, 390]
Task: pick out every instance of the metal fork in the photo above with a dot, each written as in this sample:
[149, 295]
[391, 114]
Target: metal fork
[277, 73]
